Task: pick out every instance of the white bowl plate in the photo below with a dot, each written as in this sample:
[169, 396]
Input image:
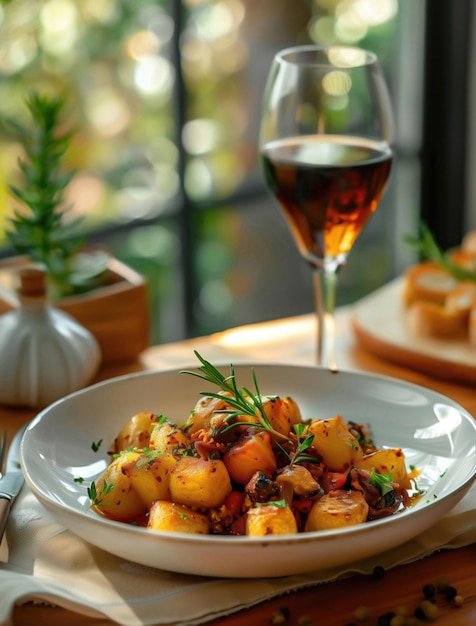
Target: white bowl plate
[437, 435]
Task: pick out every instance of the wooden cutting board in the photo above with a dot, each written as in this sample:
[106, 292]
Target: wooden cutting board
[380, 325]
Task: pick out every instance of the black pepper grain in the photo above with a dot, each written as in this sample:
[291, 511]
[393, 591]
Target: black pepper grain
[429, 591]
[450, 592]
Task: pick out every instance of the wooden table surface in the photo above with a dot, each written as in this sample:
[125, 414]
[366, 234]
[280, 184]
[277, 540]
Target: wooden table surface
[331, 604]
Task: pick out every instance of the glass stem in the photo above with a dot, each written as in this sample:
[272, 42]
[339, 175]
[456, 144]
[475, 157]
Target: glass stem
[325, 288]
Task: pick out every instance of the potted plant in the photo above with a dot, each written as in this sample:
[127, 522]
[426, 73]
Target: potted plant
[104, 295]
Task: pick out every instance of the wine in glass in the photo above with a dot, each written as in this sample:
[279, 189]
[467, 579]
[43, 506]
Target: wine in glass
[325, 144]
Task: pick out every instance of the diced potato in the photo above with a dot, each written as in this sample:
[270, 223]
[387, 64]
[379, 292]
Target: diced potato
[283, 413]
[150, 476]
[168, 438]
[116, 497]
[252, 453]
[197, 482]
[270, 519]
[337, 509]
[172, 517]
[203, 412]
[335, 444]
[136, 433]
[390, 461]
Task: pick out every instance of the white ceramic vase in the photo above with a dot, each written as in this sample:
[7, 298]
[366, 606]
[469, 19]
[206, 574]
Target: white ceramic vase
[45, 353]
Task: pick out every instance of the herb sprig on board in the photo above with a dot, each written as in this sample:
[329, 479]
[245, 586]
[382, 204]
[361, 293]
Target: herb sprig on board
[429, 250]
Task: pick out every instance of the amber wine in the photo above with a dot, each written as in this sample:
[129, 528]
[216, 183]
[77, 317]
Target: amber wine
[328, 187]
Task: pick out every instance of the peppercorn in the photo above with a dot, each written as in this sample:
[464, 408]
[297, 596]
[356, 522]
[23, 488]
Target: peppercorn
[429, 591]
[450, 592]
[378, 572]
[385, 618]
[430, 610]
[418, 613]
[280, 617]
[362, 614]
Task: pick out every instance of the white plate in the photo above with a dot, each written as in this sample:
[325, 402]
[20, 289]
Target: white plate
[437, 435]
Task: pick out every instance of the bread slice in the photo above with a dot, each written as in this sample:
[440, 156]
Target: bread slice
[427, 282]
[429, 319]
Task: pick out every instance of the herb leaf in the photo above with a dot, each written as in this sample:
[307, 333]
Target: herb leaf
[279, 504]
[96, 496]
[429, 250]
[381, 480]
[95, 445]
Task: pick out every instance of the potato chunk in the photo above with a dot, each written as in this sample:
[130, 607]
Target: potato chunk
[136, 432]
[131, 483]
[335, 444]
[283, 413]
[150, 476]
[116, 497]
[390, 461]
[204, 411]
[252, 453]
[199, 482]
[270, 519]
[337, 509]
[168, 438]
[172, 517]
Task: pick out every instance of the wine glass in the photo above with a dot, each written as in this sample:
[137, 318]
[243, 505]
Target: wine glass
[325, 145]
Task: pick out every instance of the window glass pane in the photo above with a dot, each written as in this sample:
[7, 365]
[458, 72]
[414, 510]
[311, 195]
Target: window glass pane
[111, 59]
[114, 59]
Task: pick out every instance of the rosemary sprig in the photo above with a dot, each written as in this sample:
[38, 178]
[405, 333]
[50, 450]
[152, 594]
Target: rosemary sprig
[429, 250]
[243, 401]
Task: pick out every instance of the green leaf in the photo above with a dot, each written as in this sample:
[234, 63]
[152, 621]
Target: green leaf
[279, 504]
[429, 250]
[381, 480]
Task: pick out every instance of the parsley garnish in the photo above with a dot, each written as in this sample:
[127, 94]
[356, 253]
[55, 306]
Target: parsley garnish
[96, 496]
[381, 480]
[302, 445]
[96, 445]
[279, 504]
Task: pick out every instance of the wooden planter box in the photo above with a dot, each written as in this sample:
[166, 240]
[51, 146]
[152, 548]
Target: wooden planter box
[116, 314]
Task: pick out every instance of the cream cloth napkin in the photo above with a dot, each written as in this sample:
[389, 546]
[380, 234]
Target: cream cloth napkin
[48, 563]
[42, 561]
